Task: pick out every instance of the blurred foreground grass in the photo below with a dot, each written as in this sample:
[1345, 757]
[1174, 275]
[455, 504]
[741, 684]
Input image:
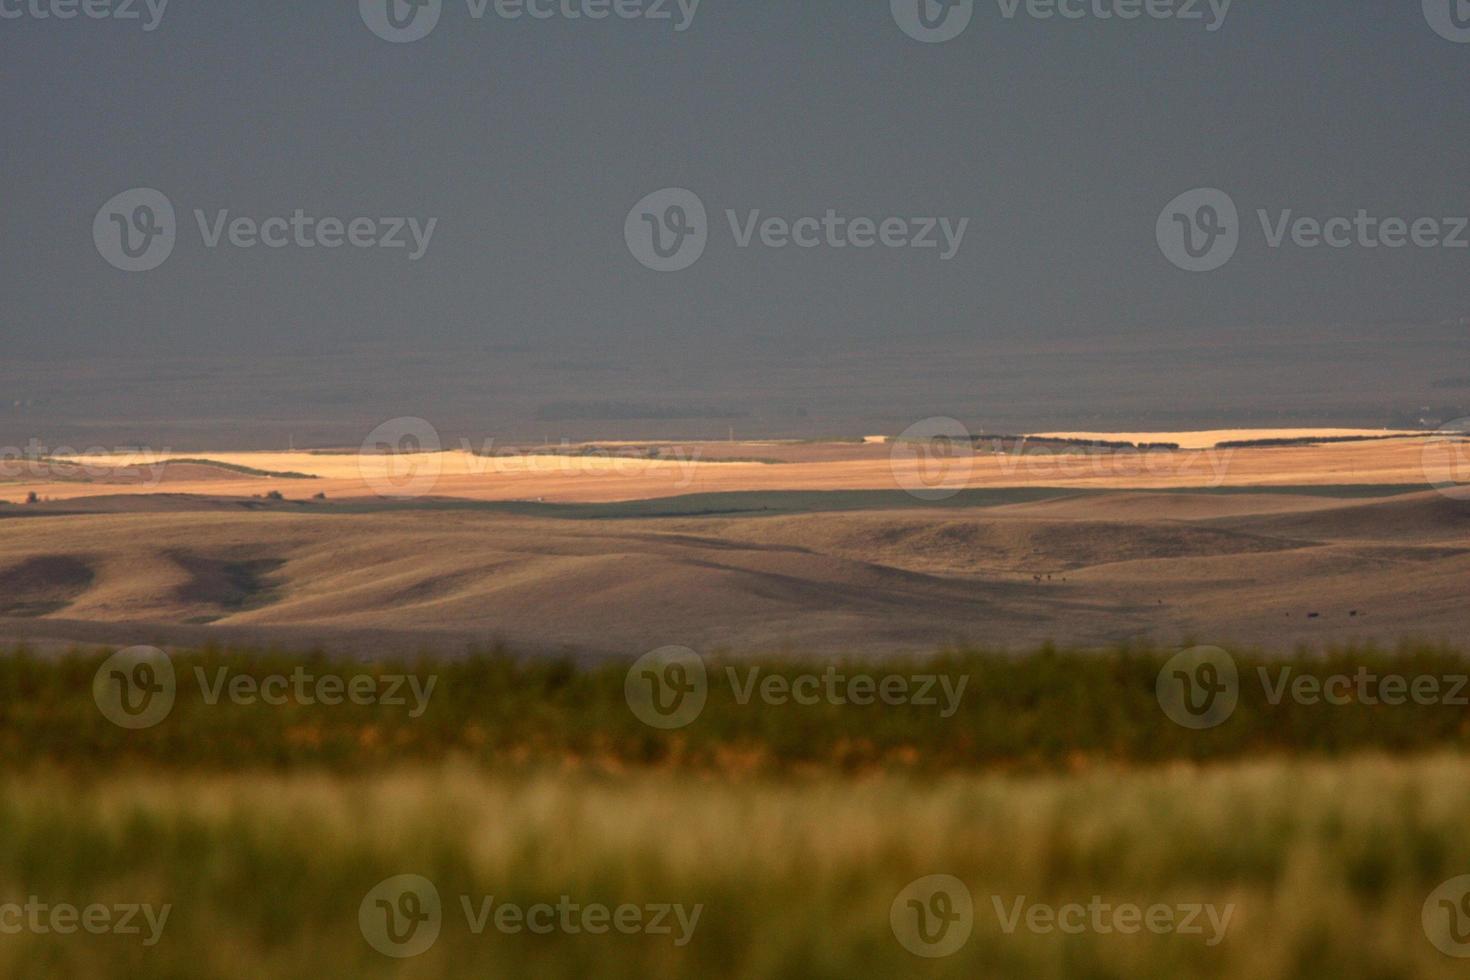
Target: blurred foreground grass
[1057, 779]
[1326, 864]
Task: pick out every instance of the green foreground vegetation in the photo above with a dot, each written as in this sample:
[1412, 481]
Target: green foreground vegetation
[1308, 836]
[1048, 710]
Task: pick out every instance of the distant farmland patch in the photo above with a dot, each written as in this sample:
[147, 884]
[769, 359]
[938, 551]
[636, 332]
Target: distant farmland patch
[243, 470]
[1301, 441]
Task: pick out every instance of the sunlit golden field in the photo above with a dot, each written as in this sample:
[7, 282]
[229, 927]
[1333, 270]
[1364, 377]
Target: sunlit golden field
[622, 471]
[1209, 438]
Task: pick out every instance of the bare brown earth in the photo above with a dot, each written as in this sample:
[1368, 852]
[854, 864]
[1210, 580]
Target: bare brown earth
[1234, 568]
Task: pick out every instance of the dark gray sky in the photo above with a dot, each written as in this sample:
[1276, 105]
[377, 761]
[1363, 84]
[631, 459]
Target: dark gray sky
[529, 141]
